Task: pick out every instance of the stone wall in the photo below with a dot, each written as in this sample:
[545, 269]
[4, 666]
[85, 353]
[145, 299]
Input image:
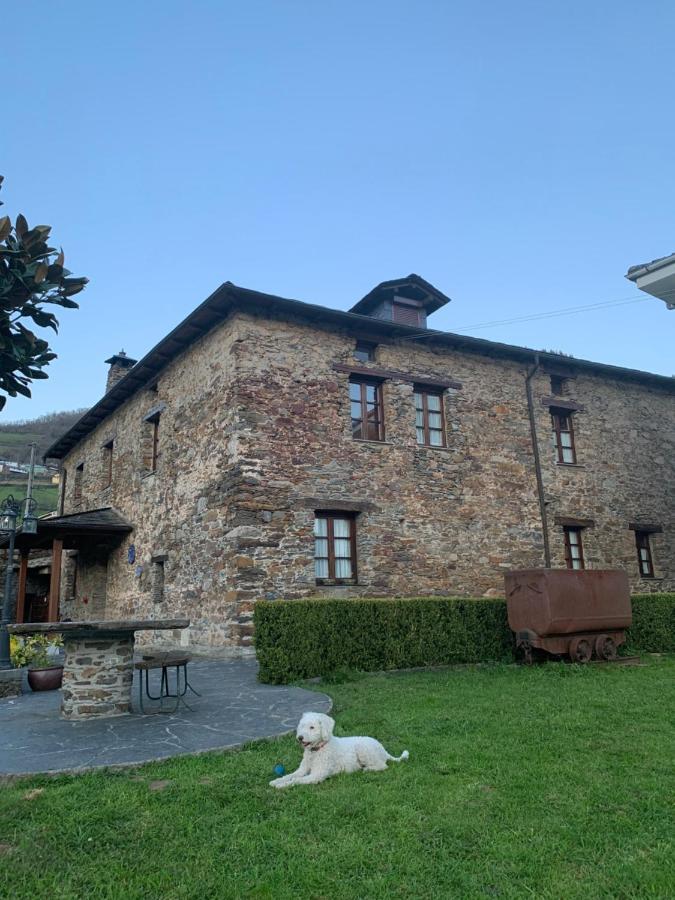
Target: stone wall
[255, 437]
[97, 680]
[177, 510]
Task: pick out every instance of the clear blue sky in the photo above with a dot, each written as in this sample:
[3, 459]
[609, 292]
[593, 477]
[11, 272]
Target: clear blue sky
[518, 155]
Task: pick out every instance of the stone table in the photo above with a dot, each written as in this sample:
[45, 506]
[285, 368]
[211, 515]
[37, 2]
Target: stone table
[99, 666]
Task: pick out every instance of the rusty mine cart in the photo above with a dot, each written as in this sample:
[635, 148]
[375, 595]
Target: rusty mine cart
[571, 613]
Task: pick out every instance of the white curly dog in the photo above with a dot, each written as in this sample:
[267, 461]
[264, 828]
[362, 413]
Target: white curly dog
[326, 755]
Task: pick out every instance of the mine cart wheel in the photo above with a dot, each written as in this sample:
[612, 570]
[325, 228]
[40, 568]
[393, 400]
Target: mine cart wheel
[580, 650]
[528, 655]
[605, 648]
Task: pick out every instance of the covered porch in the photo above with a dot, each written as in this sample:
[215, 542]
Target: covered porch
[93, 532]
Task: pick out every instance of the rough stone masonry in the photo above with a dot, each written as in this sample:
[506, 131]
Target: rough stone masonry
[97, 680]
[227, 446]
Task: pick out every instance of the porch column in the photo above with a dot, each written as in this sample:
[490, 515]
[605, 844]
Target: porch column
[21, 588]
[55, 582]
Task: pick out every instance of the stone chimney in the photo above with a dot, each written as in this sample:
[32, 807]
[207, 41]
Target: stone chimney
[119, 364]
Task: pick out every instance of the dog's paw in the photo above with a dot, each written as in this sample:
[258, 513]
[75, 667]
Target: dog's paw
[278, 783]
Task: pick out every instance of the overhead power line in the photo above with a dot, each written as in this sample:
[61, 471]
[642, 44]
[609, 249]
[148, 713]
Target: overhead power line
[567, 311]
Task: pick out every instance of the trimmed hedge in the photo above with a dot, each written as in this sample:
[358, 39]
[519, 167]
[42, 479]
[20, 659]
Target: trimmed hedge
[304, 638]
[653, 628]
[298, 639]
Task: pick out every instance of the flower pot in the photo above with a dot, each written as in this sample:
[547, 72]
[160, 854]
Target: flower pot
[45, 679]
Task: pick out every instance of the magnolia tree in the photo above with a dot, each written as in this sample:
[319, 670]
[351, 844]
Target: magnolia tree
[32, 276]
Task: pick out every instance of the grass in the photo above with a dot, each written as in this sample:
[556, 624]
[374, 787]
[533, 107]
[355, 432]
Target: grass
[549, 782]
[20, 439]
[46, 495]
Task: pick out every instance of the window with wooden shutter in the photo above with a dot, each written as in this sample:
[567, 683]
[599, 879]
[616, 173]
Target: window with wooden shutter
[405, 315]
[366, 407]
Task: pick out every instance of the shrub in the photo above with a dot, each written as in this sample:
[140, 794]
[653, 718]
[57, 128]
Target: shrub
[305, 638]
[653, 628]
[33, 651]
[298, 639]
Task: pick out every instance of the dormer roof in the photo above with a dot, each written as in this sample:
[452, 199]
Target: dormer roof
[412, 287]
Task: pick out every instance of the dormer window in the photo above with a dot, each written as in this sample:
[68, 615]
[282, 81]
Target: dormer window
[404, 301]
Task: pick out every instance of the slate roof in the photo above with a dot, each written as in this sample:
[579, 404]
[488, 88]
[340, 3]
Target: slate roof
[104, 521]
[229, 298]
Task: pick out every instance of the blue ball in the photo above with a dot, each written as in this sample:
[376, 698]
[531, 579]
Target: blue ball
[279, 769]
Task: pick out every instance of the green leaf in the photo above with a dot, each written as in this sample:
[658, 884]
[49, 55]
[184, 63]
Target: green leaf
[40, 273]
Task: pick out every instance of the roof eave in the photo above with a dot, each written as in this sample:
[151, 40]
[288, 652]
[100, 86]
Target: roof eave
[229, 297]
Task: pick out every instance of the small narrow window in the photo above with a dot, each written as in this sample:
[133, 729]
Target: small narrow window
[366, 410]
[365, 351]
[644, 551]
[574, 551]
[71, 575]
[77, 486]
[108, 463]
[558, 385]
[429, 422]
[563, 437]
[151, 443]
[335, 548]
[158, 580]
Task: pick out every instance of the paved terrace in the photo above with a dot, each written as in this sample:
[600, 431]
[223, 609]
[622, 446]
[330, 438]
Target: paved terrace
[234, 708]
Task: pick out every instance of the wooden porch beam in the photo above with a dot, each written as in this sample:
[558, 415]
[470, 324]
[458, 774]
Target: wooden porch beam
[55, 582]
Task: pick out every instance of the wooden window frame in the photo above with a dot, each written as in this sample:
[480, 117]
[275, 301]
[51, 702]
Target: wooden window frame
[330, 516]
[556, 415]
[642, 543]
[425, 391]
[567, 529]
[364, 384]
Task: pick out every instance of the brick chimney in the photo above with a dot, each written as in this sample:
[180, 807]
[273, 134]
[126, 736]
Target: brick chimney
[119, 364]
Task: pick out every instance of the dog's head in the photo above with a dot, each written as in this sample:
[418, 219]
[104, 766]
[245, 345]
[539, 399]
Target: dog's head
[314, 729]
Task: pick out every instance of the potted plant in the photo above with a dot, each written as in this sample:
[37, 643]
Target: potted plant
[34, 652]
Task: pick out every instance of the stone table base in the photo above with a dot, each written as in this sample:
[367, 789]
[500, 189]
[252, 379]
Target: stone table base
[99, 665]
[97, 676]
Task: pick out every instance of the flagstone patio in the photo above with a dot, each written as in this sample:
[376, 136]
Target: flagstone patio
[233, 708]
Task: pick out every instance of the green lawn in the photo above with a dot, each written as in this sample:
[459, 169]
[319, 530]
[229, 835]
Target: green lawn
[46, 495]
[20, 439]
[549, 782]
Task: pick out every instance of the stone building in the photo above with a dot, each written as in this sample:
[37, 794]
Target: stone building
[268, 448]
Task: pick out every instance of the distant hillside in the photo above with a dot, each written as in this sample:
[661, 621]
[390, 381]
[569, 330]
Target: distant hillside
[15, 437]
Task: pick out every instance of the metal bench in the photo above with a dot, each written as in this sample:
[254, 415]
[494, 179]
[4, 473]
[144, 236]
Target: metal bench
[165, 661]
